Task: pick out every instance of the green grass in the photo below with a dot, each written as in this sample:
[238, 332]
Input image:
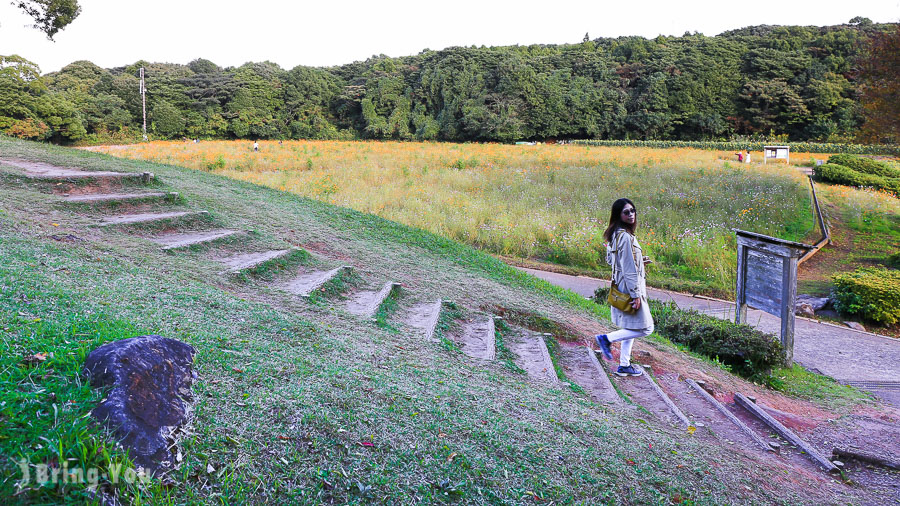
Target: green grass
[548, 202]
[798, 382]
[299, 403]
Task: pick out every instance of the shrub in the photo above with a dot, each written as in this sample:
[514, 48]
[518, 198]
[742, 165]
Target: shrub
[796, 147]
[865, 165]
[893, 261]
[872, 293]
[840, 174]
[749, 352]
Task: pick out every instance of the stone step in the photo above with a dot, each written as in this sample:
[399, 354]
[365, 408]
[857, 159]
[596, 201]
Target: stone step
[105, 198]
[126, 219]
[305, 284]
[532, 354]
[183, 240]
[367, 303]
[476, 338]
[41, 170]
[247, 261]
[605, 391]
[424, 317]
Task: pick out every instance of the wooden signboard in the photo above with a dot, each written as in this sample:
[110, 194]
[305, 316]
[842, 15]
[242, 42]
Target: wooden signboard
[767, 280]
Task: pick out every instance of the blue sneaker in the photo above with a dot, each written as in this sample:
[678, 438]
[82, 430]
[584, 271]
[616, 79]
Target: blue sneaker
[628, 371]
[603, 343]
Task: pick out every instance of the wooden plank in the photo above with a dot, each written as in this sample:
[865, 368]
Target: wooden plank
[770, 244]
[729, 415]
[846, 453]
[609, 393]
[672, 407]
[784, 432]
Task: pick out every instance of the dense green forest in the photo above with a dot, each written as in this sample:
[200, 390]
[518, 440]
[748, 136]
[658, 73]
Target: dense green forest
[794, 82]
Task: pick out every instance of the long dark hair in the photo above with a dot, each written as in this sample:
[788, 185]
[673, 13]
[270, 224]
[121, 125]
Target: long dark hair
[615, 219]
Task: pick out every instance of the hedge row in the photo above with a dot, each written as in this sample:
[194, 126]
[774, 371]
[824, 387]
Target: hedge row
[840, 174]
[865, 165]
[749, 352]
[796, 147]
[872, 293]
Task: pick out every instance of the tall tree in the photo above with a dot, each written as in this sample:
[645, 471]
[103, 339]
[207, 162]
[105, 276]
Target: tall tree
[50, 16]
[880, 74]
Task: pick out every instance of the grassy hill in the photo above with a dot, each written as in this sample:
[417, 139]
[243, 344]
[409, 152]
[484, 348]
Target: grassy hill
[298, 401]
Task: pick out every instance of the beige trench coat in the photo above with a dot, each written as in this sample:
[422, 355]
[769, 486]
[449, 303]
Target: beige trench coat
[630, 278]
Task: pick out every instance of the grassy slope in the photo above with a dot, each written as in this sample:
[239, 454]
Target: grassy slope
[288, 391]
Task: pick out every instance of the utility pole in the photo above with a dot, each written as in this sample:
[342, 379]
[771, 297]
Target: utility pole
[144, 102]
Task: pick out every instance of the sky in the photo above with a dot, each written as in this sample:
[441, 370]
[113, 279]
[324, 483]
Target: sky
[114, 33]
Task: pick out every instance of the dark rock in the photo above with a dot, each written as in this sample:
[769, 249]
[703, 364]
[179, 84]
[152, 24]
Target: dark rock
[817, 303]
[150, 377]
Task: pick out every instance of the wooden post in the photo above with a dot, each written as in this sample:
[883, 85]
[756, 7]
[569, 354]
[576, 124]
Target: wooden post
[789, 299]
[740, 303]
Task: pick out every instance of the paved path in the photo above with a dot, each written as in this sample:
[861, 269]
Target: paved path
[847, 355]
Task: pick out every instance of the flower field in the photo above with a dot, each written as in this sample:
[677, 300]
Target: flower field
[546, 202]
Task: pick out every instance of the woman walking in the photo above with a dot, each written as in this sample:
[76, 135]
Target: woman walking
[624, 254]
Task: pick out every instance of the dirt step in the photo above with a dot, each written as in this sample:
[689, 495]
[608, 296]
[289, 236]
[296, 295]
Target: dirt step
[531, 354]
[183, 240]
[642, 393]
[305, 284]
[424, 317]
[247, 261]
[477, 338]
[366, 303]
[105, 198]
[580, 364]
[40, 170]
[125, 219]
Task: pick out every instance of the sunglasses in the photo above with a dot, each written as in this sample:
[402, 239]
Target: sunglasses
[629, 212]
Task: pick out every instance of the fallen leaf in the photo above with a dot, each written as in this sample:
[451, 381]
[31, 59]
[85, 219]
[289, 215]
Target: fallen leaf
[210, 469]
[285, 438]
[630, 462]
[366, 443]
[235, 369]
[37, 358]
[691, 429]
[55, 224]
[451, 457]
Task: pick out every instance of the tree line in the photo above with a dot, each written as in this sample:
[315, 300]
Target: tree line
[800, 83]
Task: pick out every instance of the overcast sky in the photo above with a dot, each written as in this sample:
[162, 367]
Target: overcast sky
[114, 33]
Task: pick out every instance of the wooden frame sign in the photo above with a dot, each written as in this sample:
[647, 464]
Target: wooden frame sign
[767, 280]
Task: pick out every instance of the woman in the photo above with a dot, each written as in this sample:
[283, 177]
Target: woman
[624, 254]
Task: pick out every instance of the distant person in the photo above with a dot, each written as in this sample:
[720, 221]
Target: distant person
[624, 254]
[255, 145]
[740, 155]
[747, 158]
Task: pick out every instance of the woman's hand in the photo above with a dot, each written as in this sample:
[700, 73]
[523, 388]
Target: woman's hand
[636, 303]
[647, 260]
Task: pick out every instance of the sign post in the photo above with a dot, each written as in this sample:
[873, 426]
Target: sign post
[767, 280]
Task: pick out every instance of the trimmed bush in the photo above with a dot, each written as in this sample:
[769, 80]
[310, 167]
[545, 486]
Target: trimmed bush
[749, 352]
[796, 147]
[865, 165]
[872, 293]
[840, 174]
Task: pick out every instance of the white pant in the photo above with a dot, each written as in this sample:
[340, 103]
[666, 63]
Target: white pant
[627, 336]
